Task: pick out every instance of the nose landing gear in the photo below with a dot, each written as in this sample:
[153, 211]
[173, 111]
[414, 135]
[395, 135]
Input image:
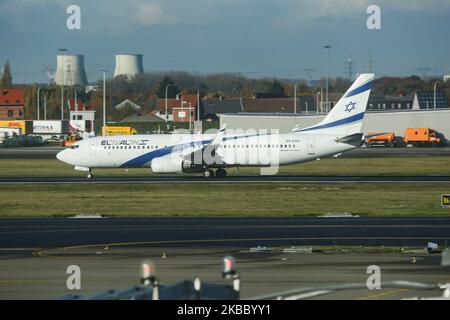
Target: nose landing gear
[89, 175]
[209, 173]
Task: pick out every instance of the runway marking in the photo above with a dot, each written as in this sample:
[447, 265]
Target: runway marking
[384, 294]
[243, 240]
[251, 182]
[310, 218]
[246, 179]
[211, 227]
[41, 282]
[39, 253]
[18, 249]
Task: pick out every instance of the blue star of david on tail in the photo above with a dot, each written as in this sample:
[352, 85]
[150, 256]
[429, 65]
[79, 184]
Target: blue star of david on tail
[351, 106]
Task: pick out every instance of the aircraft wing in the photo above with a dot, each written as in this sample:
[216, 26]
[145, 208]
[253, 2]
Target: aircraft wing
[198, 155]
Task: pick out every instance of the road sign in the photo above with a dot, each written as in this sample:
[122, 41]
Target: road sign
[446, 200]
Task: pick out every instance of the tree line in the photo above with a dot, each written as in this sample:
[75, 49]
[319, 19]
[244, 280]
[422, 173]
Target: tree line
[145, 88]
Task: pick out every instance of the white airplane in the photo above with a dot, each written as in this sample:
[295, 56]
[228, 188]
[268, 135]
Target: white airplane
[338, 132]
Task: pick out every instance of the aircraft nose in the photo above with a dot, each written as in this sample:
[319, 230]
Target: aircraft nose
[62, 156]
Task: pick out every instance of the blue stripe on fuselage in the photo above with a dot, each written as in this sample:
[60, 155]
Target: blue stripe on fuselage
[147, 157]
[341, 122]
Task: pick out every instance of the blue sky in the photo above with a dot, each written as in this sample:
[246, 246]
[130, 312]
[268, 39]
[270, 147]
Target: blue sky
[257, 37]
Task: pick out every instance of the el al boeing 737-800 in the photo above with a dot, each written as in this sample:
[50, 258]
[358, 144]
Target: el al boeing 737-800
[212, 154]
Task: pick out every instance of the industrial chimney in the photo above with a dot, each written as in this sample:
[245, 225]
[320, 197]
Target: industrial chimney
[128, 65]
[70, 70]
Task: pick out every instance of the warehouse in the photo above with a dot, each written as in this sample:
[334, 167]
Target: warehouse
[375, 121]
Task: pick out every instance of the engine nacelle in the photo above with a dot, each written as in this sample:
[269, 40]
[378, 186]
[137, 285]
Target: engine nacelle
[173, 165]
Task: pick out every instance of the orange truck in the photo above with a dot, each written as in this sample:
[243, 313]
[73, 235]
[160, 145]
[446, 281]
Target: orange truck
[421, 136]
[380, 139]
[70, 140]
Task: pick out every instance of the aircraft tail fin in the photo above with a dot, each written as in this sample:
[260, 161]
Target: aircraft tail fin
[347, 115]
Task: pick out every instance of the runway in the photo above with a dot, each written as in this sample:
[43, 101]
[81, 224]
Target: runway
[56, 233]
[188, 179]
[49, 152]
[35, 254]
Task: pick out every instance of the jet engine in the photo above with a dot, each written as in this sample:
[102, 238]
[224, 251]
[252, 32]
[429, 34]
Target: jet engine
[173, 165]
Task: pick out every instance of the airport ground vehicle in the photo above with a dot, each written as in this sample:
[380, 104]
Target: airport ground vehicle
[421, 137]
[71, 139]
[25, 126]
[118, 131]
[380, 139]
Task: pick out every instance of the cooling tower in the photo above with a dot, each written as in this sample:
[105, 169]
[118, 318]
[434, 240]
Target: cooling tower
[70, 70]
[128, 65]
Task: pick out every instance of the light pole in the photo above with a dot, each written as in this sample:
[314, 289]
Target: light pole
[190, 117]
[62, 85]
[104, 101]
[38, 102]
[434, 94]
[295, 98]
[45, 107]
[328, 67]
[167, 116]
[317, 102]
[76, 100]
[198, 105]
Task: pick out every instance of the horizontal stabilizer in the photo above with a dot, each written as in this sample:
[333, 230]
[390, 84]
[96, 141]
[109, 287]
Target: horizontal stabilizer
[375, 135]
[351, 139]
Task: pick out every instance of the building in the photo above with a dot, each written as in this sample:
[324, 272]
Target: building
[80, 111]
[128, 65]
[181, 109]
[446, 78]
[127, 103]
[280, 105]
[389, 102]
[12, 104]
[215, 107]
[376, 121]
[143, 116]
[70, 70]
[427, 100]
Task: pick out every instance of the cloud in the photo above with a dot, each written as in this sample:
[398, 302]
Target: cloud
[151, 13]
[129, 14]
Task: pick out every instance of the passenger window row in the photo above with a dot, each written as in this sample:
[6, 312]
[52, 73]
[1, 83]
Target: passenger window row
[130, 147]
[260, 146]
[286, 146]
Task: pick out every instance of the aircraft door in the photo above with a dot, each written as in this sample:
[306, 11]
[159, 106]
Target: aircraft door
[93, 147]
[311, 147]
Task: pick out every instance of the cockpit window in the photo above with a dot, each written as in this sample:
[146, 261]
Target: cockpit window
[74, 146]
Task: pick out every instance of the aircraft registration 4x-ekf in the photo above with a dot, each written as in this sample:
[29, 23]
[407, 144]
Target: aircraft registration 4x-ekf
[212, 154]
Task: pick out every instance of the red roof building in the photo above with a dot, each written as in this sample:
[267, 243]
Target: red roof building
[80, 105]
[11, 104]
[183, 109]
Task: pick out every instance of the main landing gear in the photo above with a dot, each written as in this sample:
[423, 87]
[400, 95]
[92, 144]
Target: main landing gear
[209, 173]
[221, 173]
